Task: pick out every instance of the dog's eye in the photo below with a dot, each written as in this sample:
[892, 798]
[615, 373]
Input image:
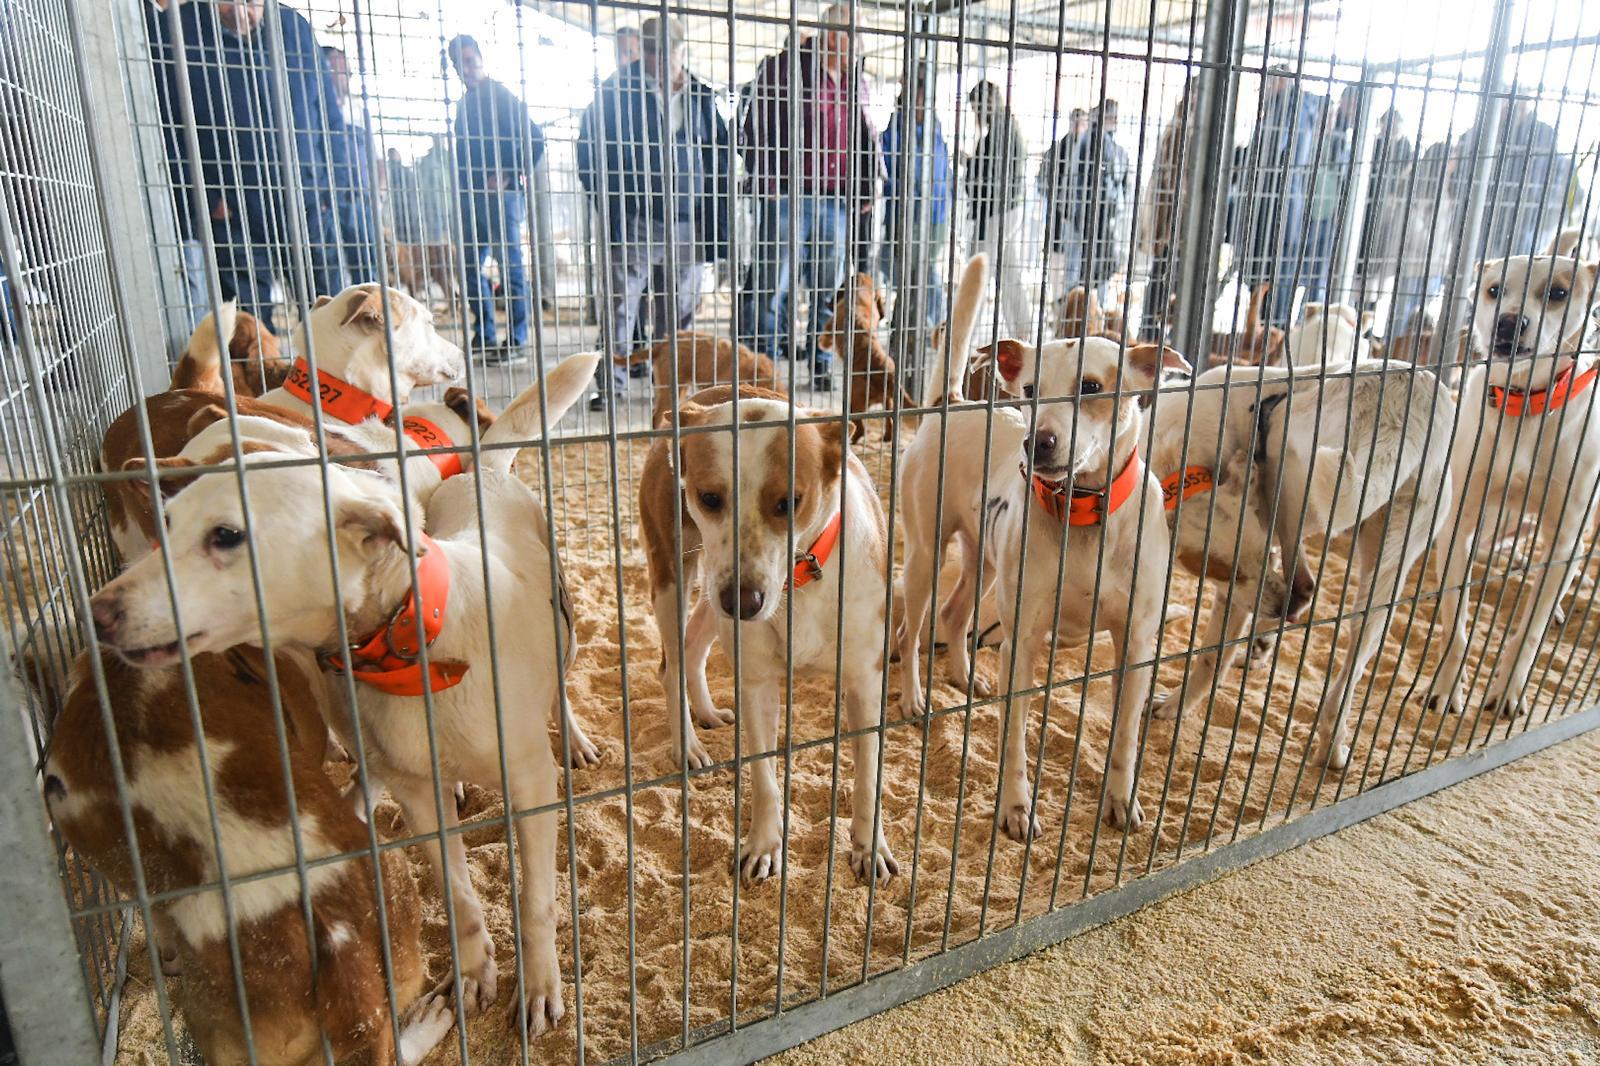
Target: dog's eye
[711, 501]
[787, 505]
[1555, 295]
[1088, 387]
[1027, 391]
[1492, 292]
[226, 538]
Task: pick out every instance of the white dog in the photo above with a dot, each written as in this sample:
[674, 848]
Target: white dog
[209, 557]
[1083, 491]
[1328, 334]
[1528, 446]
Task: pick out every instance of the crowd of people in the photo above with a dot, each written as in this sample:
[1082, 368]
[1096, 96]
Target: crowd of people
[797, 171]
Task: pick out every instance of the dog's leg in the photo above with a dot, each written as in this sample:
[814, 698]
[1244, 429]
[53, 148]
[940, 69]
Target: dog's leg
[697, 638]
[1506, 689]
[955, 622]
[583, 750]
[1134, 641]
[535, 786]
[474, 949]
[922, 557]
[869, 851]
[1453, 564]
[1217, 648]
[761, 852]
[685, 742]
[1016, 817]
[425, 1023]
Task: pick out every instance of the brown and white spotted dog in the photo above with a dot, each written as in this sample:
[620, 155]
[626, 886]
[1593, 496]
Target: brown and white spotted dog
[299, 985]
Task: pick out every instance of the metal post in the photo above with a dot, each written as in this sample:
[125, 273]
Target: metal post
[1485, 145]
[1210, 150]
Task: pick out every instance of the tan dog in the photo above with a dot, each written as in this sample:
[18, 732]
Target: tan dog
[300, 985]
[873, 379]
[702, 360]
[1328, 334]
[415, 265]
[1078, 314]
[1257, 345]
[255, 361]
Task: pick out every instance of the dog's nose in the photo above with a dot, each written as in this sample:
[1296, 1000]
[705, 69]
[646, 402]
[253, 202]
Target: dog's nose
[1043, 444]
[107, 612]
[1510, 327]
[1302, 589]
[742, 601]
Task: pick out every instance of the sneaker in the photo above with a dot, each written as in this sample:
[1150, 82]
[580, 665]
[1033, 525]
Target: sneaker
[597, 402]
[822, 381]
[505, 355]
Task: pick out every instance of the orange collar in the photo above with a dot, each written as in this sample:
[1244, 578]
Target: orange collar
[1517, 402]
[426, 434]
[387, 660]
[1086, 507]
[808, 567]
[1185, 483]
[340, 399]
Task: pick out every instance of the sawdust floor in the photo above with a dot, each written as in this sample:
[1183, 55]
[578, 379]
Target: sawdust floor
[1234, 768]
[1459, 929]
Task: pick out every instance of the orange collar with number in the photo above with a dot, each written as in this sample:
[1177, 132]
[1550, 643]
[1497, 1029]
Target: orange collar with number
[388, 660]
[426, 434]
[808, 567]
[1516, 402]
[340, 399]
[1086, 507]
[1185, 483]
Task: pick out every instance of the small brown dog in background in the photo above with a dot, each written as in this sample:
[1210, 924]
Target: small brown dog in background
[704, 360]
[254, 358]
[1079, 314]
[415, 265]
[873, 377]
[1258, 345]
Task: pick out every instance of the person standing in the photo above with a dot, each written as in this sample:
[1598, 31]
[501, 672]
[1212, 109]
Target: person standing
[497, 147]
[838, 170]
[1102, 188]
[353, 185]
[1384, 221]
[1165, 213]
[1054, 183]
[656, 156]
[917, 190]
[1275, 191]
[993, 185]
[238, 124]
[1528, 185]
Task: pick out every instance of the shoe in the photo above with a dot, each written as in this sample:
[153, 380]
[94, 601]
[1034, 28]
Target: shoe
[597, 402]
[505, 355]
[639, 370]
[822, 380]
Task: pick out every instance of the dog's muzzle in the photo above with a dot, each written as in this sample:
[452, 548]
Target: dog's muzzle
[1508, 331]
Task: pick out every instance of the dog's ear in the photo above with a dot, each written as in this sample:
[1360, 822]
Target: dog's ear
[372, 525]
[1311, 312]
[364, 308]
[163, 463]
[1149, 360]
[461, 402]
[210, 413]
[1009, 356]
[831, 436]
[321, 301]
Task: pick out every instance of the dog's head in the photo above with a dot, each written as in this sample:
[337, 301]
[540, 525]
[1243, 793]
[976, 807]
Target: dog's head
[768, 502]
[351, 342]
[1080, 413]
[1078, 314]
[1532, 307]
[210, 545]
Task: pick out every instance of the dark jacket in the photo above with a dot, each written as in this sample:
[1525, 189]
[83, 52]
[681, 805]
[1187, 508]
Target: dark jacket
[494, 137]
[995, 173]
[765, 131]
[235, 117]
[898, 186]
[1275, 190]
[622, 144]
[1102, 185]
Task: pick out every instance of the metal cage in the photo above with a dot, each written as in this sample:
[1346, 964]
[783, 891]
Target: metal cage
[1214, 178]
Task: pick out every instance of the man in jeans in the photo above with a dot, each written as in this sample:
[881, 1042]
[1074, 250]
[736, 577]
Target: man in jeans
[654, 153]
[497, 147]
[810, 199]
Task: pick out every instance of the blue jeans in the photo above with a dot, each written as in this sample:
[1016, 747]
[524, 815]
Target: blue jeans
[495, 222]
[820, 231]
[355, 233]
[252, 252]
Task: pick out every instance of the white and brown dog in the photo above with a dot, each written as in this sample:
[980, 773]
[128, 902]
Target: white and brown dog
[1330, 333]
[783, 602]
[469, 653]
[1084, 493]
[1528, 445]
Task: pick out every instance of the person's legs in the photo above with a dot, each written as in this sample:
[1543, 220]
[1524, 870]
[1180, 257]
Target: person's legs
[244, 268]
[1014, 302]
[826, 251]
[322, 240]
[477, 222]
[512, 253]
[758, 328]
[629, 270]
[360, 246]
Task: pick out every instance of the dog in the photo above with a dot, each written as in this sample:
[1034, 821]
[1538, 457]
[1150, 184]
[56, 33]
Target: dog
[418, 265]
[301, 985]
[377, 548]
[932, 519]
[858, 309]
[1361, 446]
[1528, 445]
[1078, 314]
[255, 360]
[702, 360]
[832, 514]
[1259, 344]
[1084, 428]
[1330, 333]
[1417, 342]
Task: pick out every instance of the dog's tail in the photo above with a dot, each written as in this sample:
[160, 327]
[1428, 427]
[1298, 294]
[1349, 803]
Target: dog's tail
[963, 317]
[200, 367]
[522, 421]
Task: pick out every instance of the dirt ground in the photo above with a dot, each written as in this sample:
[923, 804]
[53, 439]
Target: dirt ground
[1460, 928]
[1220, 772]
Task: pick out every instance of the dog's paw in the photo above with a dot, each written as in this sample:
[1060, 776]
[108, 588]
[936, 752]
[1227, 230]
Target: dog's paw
[913, 704]
[479, 990]
[1017, 823]
[542, 986]
[1333, 756]
[425, 1023]
[1124, 814]
[761, 855]
[873, 863]
[1263, 647]
[981, 689]
[710, 716]
[1445, 696]
[584, 753]
[1164, 708]
[1505, 705]
[699, 757]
